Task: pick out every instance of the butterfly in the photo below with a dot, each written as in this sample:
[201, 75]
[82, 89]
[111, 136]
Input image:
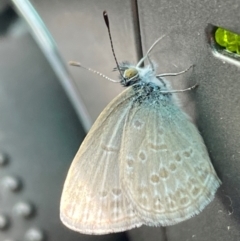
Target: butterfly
[143, 162]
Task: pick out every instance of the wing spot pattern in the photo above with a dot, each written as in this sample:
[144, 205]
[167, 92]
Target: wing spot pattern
[172, 167]
[138, 124]
[103, 194]
[195, 191]
[154, 179]
[116, 191]
[187, 154]
[184, 201]
[163, 173]
[178, 157]
[142, 156]
[130, 162]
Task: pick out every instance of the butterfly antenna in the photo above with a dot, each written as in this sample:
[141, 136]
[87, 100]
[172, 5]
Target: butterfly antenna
[105, 16]
[150, 49]
[77, 64]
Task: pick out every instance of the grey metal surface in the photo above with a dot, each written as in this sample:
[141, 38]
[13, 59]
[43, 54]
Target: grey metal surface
[217, 109]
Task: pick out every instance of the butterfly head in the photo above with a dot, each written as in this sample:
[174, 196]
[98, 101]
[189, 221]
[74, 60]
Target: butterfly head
[130, 73]
[133, 74]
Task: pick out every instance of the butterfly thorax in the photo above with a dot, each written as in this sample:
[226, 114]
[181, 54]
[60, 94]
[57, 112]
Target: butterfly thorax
[146, 85]
[150, 94]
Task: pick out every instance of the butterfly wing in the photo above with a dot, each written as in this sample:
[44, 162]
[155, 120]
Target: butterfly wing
[165, 169]
[92, 201]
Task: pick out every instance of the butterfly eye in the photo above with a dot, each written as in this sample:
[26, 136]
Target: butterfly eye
[130, 73]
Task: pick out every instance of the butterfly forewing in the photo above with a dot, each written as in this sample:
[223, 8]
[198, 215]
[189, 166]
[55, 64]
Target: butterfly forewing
[165, 171]
[93, 201]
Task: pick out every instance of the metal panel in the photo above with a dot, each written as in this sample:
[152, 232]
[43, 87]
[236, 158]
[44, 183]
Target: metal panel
[215, 104]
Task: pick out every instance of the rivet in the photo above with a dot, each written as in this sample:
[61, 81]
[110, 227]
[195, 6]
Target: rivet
[24, 209]
[34, 234]
[11, 183]
[4, 222]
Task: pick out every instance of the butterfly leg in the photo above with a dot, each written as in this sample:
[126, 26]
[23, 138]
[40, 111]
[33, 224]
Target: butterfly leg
[161, 80]
[175, 74]
[180, 91]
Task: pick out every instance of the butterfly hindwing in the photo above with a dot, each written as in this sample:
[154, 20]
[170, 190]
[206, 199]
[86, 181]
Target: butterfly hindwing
[165, 170]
